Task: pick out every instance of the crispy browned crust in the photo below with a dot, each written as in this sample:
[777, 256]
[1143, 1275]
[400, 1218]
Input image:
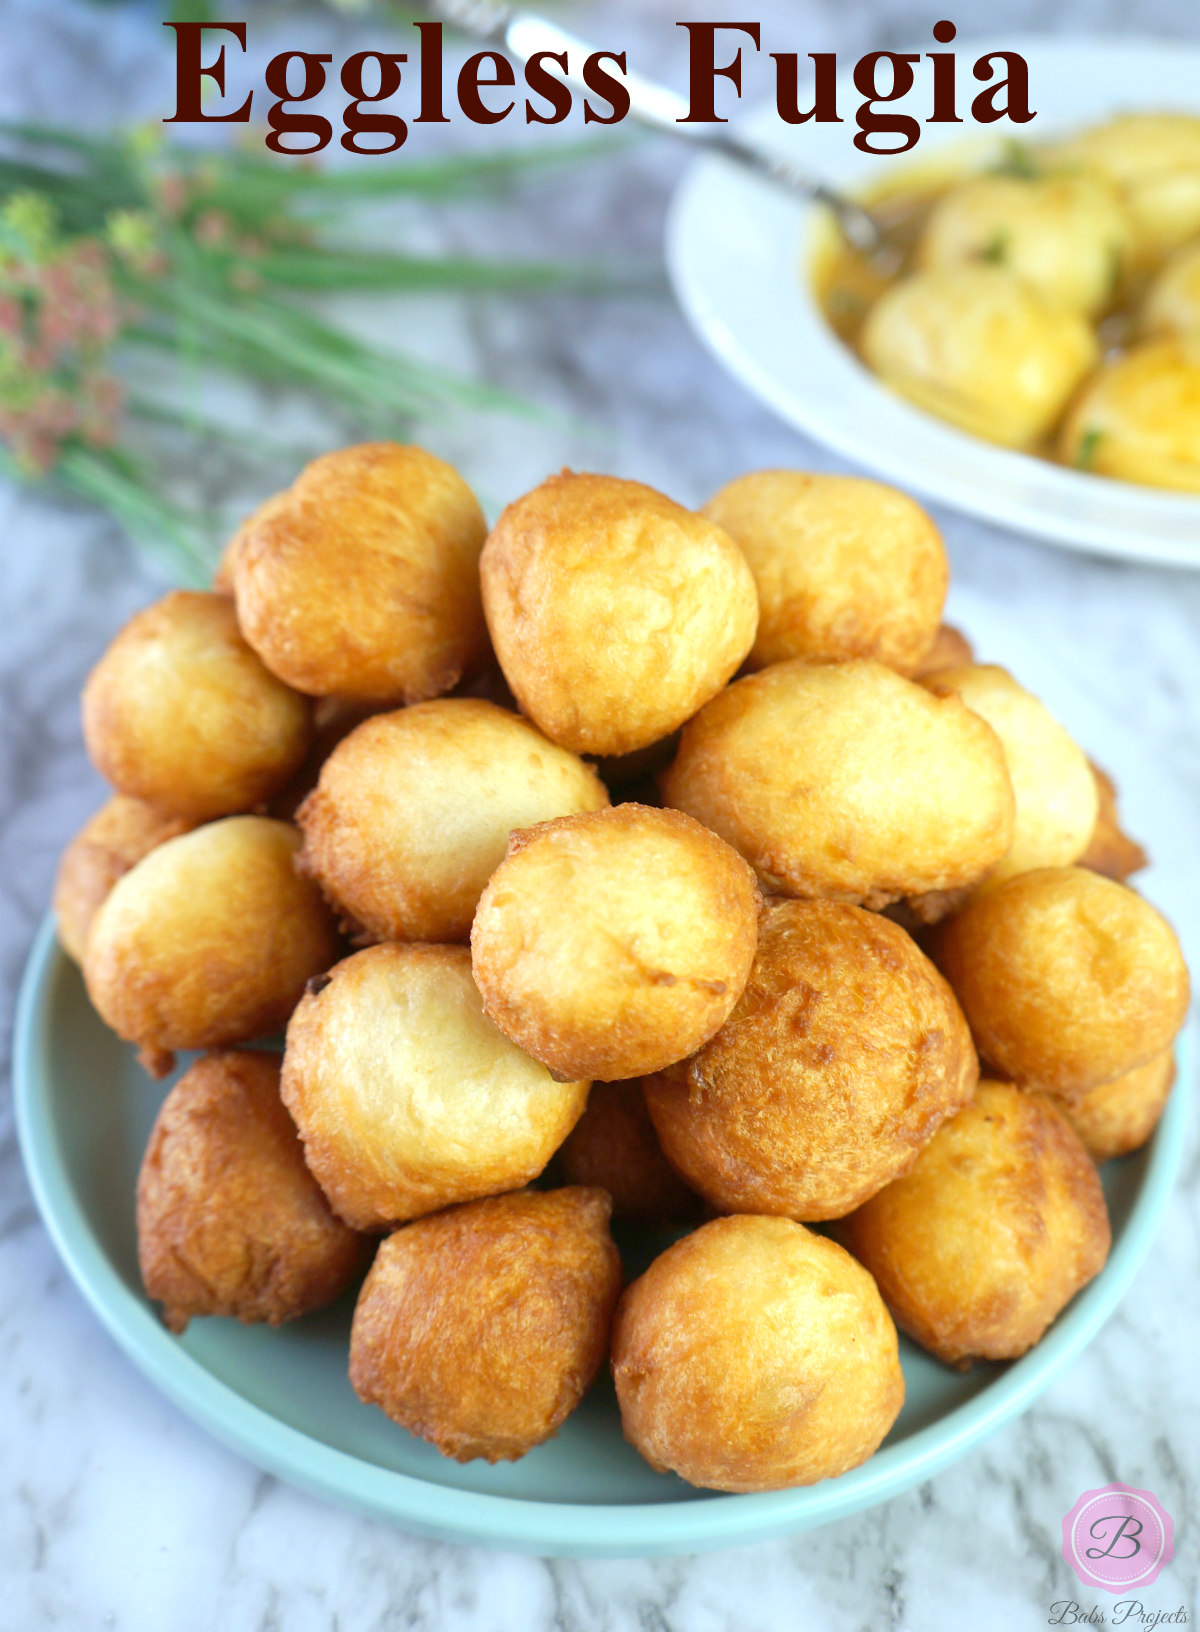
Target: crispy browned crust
[845, 567]
[407, 1097]
[755, 1355]
[481, 1328]
[1120, 1116]
[209, 939]
[844, 1055]
[846, 781]
[950, 647]
[1111, 851]
[614, 1146]
[230, 1221]
[991, 1232]
[361, 581]
[615, 613]
[1067, 979]
[119, 834]
[181, 713]
[412, 813]
[613, 943]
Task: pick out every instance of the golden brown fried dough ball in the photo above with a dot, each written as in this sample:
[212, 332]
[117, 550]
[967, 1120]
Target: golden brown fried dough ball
[361, 581]
[1172, 303]
[412, 813]
[1067, 979]
[120, 833]
[846, 781]
[208, 940]
[1153, 160]
[844, 567]
[1120, 1116]
[181, 713]
[950, 647]
[407, 1097]
[755, 1355]
[615, 613]
[991, 1232]
[614, 943]
[481, 1329]
[614, 1146]
[1055, 790]
[1110, 850]
[845, 1053]
[1066, 236]
[1138, 419]
[976, 346]
[230, 1221]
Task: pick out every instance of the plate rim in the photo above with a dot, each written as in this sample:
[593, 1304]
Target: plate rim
[546, 1529]
[1133, 543]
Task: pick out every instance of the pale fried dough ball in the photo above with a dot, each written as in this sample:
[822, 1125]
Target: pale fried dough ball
[991, 1232]
[209, 939]
[412, 813]
[1055, 790]
[846, 781]
[613, 943]
[845, 1053]
[1110, 849]
[755, 1355]
[615, 612]
[109, 843]
[975, 346]
[614, 1146]
[1067, 979]
[481, 1329]
[950, 646]
[844, 567]
[1120, 1116]
[230, 1221]
[1066, 236]
[1153, 160]
[361, 581]
[1138, 419]
[406, 1095]
[1172, 303]
[181, 713]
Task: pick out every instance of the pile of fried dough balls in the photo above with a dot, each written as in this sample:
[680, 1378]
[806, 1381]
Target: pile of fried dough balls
[686, 855]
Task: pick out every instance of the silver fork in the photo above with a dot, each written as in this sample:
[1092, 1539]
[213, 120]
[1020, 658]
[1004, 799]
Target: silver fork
[521, 33]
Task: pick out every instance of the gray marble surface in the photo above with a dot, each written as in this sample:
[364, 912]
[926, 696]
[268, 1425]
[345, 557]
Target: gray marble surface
[115, 1511]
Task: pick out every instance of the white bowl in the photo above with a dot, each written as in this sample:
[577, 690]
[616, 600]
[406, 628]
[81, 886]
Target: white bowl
[738, 250]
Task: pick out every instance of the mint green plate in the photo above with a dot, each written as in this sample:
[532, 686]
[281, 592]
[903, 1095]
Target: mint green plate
[281, 1398]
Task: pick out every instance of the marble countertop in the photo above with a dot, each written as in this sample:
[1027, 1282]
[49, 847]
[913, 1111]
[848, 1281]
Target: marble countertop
[115, 1511]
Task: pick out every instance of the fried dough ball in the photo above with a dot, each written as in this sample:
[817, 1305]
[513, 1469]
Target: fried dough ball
[208, 940]
[1110, 849]
[1120, 1116]
[109, 843]
[755, 1355]
[1172, 303]
[991, 1232]
[1067, 979]
[181, 713]
[1138, 420]
[614, 943]
[845, 1053]
[950, 647]
[976, 346]
[1055, 791]
[846, 781]
[844, 567]
[614, 1146]
[615, 613]
[1066, 236]
[361, 581]
[1153, 160]
[407, 1097]
[481, 1329]
[412, 813]
[230, 1221]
